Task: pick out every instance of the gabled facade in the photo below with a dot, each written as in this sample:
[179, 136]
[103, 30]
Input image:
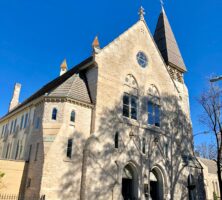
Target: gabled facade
[211, 183]
[117, 126]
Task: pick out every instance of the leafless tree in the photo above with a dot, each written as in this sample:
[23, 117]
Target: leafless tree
[211, 101]
[206, 150]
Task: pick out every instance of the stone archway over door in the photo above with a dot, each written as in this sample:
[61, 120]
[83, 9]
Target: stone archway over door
[156, 184]
[129, 183]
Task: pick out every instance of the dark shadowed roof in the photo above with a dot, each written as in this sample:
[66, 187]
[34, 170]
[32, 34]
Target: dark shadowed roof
[167, 43]
[67, 78]
[211, 164]
[74, 87]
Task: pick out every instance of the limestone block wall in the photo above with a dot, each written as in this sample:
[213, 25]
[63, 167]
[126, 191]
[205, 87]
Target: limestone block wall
[16, 139]
[115, 62]
[34, 154]
[61, 176]
[11, 182]
[211, 182]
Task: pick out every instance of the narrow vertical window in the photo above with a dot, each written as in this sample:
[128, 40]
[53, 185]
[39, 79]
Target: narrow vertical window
[3, 129]
[144, 145]
[154, 107]
[157, 115]
[69, 148]
[36, 151]
[150, 113]
[20, 151]
[28, 183]
[6, 129]
[17, 151]
[30, 152]
[26, 120]
[117, 140]
[54, 114]
[15, 124]
[72, 116]
[21, 123]
[11, 127]
[7, 151]
[37, 123]
[130, 106]
[126, 106]
[153, 114]
[134, 107]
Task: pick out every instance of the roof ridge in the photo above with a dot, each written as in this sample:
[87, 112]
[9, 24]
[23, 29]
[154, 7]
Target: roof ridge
[120, 36]
[48, 87]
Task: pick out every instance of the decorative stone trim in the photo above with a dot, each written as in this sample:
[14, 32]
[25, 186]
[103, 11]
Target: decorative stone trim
[137, 124]
[69, 100]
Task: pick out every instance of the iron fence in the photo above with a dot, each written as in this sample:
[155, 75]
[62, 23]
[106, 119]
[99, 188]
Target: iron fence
[19, 197]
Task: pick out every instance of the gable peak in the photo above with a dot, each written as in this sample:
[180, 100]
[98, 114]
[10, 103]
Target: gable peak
[141, 13]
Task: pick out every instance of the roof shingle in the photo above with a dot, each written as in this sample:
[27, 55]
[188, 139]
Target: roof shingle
[167, 43]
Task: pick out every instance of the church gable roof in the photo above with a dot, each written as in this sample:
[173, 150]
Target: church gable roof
[167, 43]
[54, 87]
[210, 164]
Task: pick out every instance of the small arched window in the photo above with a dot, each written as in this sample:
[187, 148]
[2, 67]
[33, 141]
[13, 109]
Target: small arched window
[117, 140]
[72, 116]
[54, 113]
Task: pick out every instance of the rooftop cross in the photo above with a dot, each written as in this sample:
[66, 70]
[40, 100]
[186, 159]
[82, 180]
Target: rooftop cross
[162, 3]
[141, 13]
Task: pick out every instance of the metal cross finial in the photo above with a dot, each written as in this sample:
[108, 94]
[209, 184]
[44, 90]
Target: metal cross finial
[162, 3]
[141, 13]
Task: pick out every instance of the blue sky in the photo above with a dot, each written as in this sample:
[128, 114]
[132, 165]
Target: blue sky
[36, 36]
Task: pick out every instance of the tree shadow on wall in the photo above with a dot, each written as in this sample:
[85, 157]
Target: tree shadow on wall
[101, 172]
[69, 187]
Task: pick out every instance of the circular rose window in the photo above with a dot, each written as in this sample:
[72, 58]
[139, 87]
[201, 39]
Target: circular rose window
[142, 59]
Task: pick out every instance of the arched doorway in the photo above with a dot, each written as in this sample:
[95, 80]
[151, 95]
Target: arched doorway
[129, 183]
[156, 184]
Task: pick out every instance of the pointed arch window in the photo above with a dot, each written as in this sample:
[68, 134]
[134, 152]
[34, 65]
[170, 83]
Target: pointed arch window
[130, 98]
[54, 113]
[153, 107]
[73, 116]
[117, 140]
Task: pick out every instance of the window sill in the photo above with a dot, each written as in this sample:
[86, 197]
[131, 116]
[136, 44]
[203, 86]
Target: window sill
[72, 124]
[130, 121]
[153, 128]
[69, 160]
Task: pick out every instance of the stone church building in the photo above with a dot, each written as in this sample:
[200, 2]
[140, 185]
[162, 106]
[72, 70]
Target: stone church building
[116, 126]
